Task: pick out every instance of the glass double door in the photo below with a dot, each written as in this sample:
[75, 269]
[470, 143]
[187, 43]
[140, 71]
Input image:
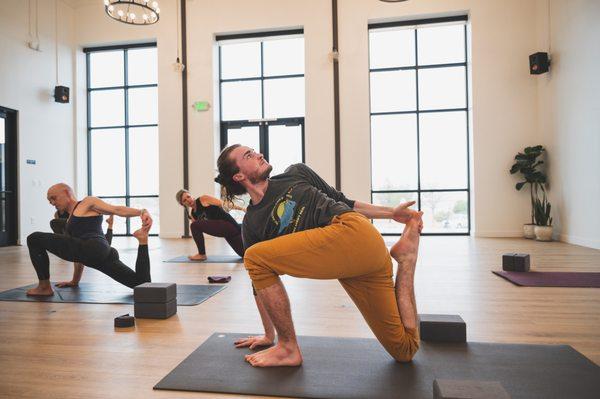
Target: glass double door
[8, 177]
[281, 141]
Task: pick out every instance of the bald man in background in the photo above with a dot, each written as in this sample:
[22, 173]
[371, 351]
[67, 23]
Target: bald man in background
[58, 226]
[85, 242]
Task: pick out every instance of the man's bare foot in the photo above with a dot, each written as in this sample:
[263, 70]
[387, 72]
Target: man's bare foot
[41, 290]
[278, 355]
[197, 257]
[141, 235]
[406, 249]
[110, 220]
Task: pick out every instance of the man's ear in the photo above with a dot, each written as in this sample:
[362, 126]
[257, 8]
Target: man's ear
[238, 177]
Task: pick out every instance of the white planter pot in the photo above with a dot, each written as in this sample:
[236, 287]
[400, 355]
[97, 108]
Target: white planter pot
[543, 233]
[529, 231]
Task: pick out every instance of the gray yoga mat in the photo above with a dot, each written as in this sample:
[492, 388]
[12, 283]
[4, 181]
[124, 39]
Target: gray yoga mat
[211, 259]
[552, 279]
[187, 295]
[360, 368]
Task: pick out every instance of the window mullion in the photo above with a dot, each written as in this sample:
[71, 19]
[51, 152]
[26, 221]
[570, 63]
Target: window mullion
[418, 122]
[89, 124]
[126, 104]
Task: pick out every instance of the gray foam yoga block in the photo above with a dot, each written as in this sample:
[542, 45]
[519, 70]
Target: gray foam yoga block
[155, 292]
[508, 262]
[155, 310]
[468, 389]
[514, 262]
[442, 328]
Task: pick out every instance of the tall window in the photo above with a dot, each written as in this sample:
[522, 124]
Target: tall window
[123, 129]
[419, 121]
[261, 84]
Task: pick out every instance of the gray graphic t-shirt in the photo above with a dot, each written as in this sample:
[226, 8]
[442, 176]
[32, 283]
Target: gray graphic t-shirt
[296, 200]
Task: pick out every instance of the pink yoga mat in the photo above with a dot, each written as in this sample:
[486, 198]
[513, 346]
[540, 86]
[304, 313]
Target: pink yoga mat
[552, 279]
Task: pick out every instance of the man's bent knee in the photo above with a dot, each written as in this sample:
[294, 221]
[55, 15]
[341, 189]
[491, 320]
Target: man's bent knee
[406, 351]
[34, 238]
[261, 275]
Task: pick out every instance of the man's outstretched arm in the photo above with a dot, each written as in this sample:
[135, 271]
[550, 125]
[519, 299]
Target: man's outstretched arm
[401, 213]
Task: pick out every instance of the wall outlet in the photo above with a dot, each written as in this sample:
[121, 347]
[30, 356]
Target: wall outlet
[32, 220]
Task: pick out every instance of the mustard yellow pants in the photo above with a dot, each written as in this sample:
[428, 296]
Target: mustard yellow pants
[351, 250]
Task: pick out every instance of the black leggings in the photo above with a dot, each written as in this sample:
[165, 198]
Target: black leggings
[217, 228]
[92, 252]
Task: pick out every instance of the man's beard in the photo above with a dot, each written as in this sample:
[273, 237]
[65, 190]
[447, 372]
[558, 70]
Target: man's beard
[263, 176]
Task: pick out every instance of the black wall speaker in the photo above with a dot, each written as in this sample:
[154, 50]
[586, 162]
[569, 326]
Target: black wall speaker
[61, 94]
[538, 63]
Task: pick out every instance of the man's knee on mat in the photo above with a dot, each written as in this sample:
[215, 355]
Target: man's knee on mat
[404, 352]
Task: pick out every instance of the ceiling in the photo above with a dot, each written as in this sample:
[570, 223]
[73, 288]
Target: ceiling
[77, 3]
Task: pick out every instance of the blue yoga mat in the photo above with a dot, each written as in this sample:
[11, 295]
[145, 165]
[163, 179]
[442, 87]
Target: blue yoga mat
[187, 294]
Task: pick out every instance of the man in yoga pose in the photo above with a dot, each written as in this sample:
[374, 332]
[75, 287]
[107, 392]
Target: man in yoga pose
[84, 241]
[297, 224]
[58, 226]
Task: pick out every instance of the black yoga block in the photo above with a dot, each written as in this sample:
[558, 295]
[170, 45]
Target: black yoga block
[513, 262]
[154, 292]
[155, 310]
[124, 321]
[468, 389]
[442, 328]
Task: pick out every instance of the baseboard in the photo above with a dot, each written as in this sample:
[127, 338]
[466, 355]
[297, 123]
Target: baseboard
[170, 234]
[584, 242]
[499, 234]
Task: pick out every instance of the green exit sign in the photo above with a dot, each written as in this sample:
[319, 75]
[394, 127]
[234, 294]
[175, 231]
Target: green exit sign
[201, 105]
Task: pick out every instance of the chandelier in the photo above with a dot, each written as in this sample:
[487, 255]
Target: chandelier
[133, 12]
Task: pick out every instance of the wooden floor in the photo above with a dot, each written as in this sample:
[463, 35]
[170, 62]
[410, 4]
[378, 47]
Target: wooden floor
[72, 350]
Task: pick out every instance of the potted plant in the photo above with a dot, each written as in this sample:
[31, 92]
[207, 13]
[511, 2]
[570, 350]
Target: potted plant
[543, 221]
[527, 164]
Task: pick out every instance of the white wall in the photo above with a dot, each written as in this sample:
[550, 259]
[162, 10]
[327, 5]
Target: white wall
[503, 101]
[45, 128]
[569, 116]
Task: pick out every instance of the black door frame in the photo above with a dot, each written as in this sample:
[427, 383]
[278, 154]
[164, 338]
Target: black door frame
[10, 237]
[263, 131]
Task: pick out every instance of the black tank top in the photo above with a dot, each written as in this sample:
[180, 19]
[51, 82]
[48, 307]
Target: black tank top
[212, 212]
[85, 226]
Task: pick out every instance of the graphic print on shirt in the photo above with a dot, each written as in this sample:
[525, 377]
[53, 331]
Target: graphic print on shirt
[286, 213]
